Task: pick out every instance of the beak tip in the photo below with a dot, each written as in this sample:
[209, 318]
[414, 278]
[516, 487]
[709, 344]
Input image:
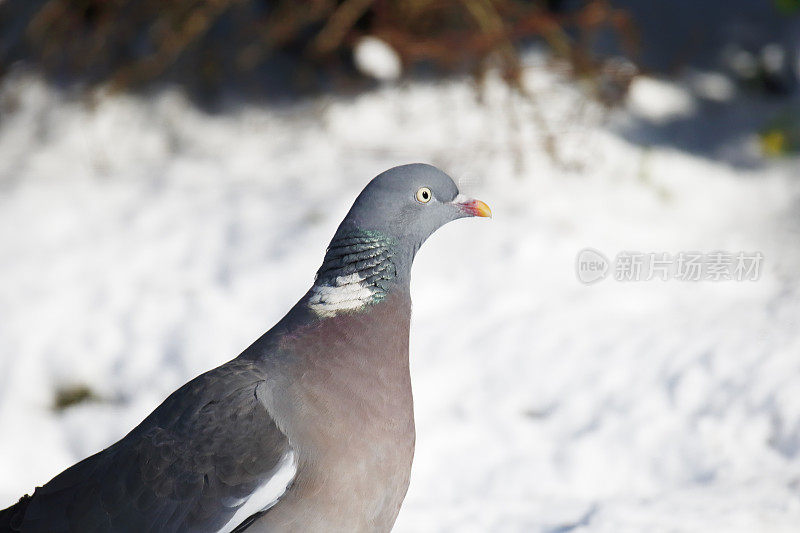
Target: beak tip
[477, 208]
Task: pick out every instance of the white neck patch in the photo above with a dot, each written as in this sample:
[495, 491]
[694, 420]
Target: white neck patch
[341, 294]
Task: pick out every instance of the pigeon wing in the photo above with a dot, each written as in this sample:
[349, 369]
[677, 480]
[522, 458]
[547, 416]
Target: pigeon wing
[204, 460]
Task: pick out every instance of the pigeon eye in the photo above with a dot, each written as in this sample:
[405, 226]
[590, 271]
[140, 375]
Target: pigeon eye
[424, 195]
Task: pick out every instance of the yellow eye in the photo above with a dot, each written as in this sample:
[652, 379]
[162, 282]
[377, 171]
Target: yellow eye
[424, 195]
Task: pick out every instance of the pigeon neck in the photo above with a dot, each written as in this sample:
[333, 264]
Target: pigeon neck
[360, 269]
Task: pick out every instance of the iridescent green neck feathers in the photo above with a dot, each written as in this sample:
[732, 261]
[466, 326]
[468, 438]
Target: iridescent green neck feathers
[359, 270]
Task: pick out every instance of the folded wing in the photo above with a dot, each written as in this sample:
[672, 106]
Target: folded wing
[205, 460]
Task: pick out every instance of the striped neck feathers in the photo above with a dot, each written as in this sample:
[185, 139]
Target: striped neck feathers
[358, 271]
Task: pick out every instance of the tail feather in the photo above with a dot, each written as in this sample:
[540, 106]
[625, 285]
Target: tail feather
[11, 518]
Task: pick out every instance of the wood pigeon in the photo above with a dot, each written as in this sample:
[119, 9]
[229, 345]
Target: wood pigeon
[310, 429]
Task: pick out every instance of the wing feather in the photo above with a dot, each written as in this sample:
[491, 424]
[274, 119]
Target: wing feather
[204, 460]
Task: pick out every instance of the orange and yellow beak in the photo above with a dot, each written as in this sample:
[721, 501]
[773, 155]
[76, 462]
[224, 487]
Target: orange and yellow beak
[475, 208]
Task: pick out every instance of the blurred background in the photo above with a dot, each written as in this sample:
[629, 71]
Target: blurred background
[171, 172]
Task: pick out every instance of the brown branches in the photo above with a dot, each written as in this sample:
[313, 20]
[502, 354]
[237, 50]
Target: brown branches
[132, 42]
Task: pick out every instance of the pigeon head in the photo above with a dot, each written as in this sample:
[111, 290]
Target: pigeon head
[374, 247]
[407, 204]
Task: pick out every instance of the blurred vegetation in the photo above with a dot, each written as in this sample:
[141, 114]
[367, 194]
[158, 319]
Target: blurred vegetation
[281, 47]
[69, 395]
[788, 6]
[781, 136]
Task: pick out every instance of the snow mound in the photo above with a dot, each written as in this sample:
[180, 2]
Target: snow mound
[145, 242]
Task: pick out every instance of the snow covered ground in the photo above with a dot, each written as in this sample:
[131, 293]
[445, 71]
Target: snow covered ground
[143, 241]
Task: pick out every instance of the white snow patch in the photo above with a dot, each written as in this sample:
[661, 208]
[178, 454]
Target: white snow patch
[374, 57]
[659, 100]
[713, 86]
[773, 57]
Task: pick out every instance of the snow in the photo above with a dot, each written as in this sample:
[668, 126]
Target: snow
[145, 241]
[712, 86]
[660, 100]
[374, 57]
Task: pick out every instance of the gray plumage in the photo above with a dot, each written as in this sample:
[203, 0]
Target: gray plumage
[309, 429]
